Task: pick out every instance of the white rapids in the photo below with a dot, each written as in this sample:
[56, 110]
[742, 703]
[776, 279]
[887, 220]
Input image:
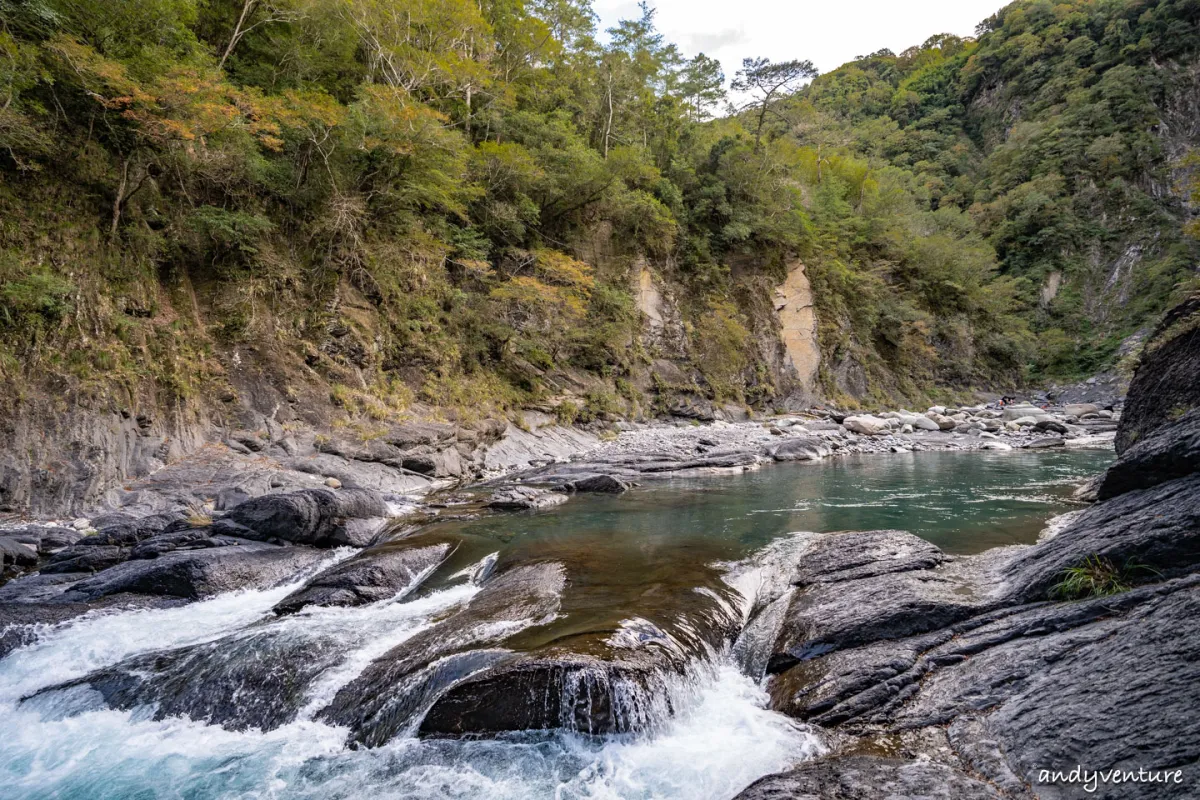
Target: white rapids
[722, 742]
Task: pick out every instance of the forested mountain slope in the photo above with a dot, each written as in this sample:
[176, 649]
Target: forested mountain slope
[364, 209]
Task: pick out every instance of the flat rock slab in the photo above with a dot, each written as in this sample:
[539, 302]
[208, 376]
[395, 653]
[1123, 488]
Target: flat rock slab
[834, 557]
[195, 574]
[870, 778]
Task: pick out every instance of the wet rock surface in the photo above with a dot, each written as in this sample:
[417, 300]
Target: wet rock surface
[379, 574]
[870, 778]
[1164, 387]
[1018, 678]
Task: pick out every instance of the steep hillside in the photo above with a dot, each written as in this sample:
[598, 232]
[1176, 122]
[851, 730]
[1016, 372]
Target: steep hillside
[344, 213]
[1066, 133]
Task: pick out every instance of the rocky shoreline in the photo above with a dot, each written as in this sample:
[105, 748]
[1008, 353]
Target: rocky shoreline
[930, 675]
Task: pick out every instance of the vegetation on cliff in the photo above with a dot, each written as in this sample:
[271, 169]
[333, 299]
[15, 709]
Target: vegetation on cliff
[447, 201]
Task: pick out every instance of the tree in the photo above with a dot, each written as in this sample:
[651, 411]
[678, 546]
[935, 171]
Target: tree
[767, 81]
[702, 86]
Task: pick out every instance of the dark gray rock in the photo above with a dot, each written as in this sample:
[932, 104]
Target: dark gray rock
[834, 616]
[193, 574]
[84, 557]
[870, 778]
[833, 557]
[393, 689]
[367, 577]
[309, 516]
[1154, 532]
[1164, 386]
[799, 449]
[1167, 452]
[1051, 426]
[17, 553]
[524, 498]
[600, 484]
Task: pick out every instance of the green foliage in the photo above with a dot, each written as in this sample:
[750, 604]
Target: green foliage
[452, 195]
[1098, 577]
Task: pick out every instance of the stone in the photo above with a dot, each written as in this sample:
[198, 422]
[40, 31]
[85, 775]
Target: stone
[1081, 409]
[802, 448]
[524, 498]
[195, 574]
[600, 484]
[368, 577]
[870, 778]
[1045, 442]
[1051, 426]
[1164, 387]
[1169, 451]
[1013, 413]
[17, 553]
[309, 516]
[866, 425]
[1157, 528]
[333, 483]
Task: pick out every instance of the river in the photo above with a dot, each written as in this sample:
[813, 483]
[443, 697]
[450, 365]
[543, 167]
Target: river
[632, 563]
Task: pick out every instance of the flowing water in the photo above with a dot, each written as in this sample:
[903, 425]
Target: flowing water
[632, 563]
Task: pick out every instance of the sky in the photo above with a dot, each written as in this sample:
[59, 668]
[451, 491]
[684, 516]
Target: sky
[827, 32]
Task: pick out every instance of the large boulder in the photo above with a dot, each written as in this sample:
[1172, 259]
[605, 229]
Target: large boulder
[1149, 533]
[524, 498]
[866, 425]
[310, 516]
[801, 448]
[368, 577]
[194, 574]
[1165, 386]
[1165, 453]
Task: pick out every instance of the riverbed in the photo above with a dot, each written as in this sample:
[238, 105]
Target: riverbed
[633, 563]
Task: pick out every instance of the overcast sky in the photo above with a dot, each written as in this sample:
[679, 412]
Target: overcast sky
[827, 32]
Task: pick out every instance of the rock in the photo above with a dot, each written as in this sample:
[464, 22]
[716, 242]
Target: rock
[1080, 409]
[1164, 387]
[836, 557]
[333, 483]
[193, 574]
[1156, 528]
[85, 558]
[1045, 442]
[357, 532]
[870, 778]
[1013, 413]
[379, 574]
[377, 704]
[1052, 426]
[1026, 422]
[944, 423]
[859, 587]
[17, 553]
[866, 425]
[523, 498]
[799, 449]
[1169, 451]
[309, 516]
[601, 484]
[994, 445]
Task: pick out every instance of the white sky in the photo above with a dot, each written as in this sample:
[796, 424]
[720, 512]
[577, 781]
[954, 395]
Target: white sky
[827, 32]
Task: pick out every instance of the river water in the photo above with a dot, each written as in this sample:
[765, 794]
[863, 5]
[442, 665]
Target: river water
[638, 556]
